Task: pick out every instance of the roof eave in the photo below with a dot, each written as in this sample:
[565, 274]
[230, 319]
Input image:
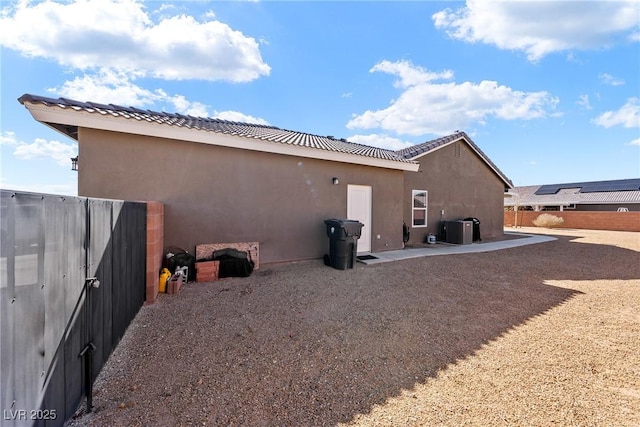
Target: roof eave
[57, 116]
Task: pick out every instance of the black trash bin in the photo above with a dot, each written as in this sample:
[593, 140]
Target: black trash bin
[476, 228]
[343, 242]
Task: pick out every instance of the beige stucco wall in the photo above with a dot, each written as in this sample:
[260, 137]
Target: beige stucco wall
[460, 183]
[216, 194]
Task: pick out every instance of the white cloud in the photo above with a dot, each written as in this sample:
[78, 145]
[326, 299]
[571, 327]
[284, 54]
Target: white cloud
[9, 138]
[572, 57]
[409, 74]
[635, 142]
[70, 189]
[427, 107]
[583, 101]
[540, 28]
[610, 80]
[381, 141]
[183, 106]
[235, 116]
[120, 34]
[627, 116]
[43, 149]
[109, 86]
[60, 152]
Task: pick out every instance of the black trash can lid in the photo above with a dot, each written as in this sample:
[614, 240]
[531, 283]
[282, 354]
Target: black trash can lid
[350, 227]
[353, 228]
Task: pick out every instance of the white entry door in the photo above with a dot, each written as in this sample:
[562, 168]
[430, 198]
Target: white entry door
[359, 208]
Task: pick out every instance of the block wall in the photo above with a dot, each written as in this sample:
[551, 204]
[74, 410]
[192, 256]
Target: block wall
[615, 221]
[155, 247]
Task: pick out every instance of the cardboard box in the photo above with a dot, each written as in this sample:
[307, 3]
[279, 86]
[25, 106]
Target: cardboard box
[174, 284]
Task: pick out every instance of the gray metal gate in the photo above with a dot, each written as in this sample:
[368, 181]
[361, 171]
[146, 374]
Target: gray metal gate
[72, 278]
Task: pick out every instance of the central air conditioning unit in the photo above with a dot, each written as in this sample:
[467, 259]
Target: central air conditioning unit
[459, 232]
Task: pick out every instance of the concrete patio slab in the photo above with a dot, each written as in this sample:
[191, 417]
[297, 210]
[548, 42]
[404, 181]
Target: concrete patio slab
[449, 249]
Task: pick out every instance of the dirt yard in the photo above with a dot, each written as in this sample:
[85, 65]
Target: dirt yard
[546, 334]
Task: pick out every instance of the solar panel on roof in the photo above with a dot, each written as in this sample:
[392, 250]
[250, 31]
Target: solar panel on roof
[547, 189]
[592, 187]
[624, 185]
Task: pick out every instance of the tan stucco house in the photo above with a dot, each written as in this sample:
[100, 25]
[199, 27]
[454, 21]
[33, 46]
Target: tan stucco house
[456, 180]
[224, 181]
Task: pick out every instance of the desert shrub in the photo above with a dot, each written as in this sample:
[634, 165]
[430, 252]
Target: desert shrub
[548, 221]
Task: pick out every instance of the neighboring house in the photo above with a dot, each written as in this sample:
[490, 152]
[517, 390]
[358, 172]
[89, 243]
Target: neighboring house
[456, 180]
[223, 181]
[623, 195]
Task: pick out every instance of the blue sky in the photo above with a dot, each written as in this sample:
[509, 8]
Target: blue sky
[550, 91]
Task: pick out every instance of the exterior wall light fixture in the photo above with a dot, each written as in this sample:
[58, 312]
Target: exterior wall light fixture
[74, 163]
[335, 180]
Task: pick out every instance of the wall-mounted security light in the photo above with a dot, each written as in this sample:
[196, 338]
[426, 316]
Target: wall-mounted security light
[335, 180]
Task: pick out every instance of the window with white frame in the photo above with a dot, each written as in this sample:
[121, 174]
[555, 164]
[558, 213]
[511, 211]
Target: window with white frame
[419, 208]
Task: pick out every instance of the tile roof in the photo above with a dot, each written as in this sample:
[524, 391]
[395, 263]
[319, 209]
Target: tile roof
[576, 193]
[247, 130]
[420, 149]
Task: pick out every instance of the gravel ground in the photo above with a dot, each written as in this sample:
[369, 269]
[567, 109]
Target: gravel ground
[545, 334]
